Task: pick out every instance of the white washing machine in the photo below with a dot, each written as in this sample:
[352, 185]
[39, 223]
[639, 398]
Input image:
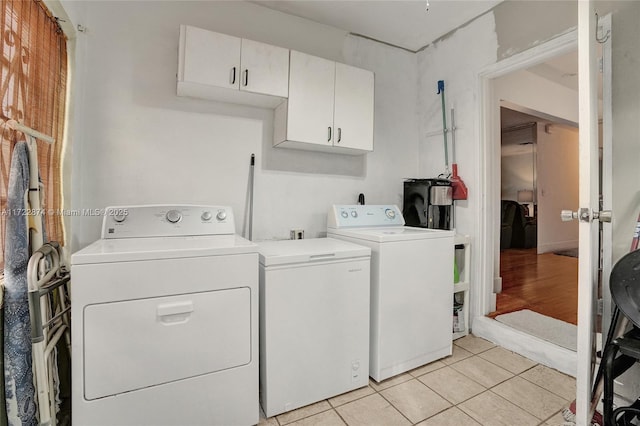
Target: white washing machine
[165, 320]
[314, 321]
[411, 286]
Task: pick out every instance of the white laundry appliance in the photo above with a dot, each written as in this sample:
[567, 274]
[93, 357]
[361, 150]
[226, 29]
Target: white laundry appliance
[314, 321]
[411, 286]
[165, 320]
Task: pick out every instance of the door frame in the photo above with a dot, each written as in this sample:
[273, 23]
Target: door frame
[488, 221]
[488, 121]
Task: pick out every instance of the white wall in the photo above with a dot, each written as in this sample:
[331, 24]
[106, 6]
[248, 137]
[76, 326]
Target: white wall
[456, 60]
[517, 171]
[557, 182]
[140, 143]
[537, 94]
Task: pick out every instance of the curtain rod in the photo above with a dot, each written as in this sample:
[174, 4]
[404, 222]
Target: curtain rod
[13, 124]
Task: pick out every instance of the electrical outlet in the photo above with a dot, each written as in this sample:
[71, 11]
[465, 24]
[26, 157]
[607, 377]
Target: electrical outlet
[296, 234]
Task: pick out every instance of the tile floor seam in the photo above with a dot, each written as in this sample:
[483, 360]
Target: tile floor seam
[342, 418]
[353, 400]
[443, 397]
[490, 387]
[496, 364]
[530, 381]
[394, 407]
[553, 415]
[305, 417]
[524, 408]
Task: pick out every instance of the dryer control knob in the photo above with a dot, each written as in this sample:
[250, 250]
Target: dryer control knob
[206, 216]
[391, 214]
[119, 217]
[345, 215]
[174, 216]
[222, 215]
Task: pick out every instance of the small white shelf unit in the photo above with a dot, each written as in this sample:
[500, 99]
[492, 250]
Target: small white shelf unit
[463, 262]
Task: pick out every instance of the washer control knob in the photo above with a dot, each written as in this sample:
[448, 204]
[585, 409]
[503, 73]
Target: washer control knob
[354, 213]
[206, 216]
[222, 215]
[344, 214]
[174, 216]
[391, 214]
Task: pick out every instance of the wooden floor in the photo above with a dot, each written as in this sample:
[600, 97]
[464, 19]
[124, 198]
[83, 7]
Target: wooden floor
[545, 283]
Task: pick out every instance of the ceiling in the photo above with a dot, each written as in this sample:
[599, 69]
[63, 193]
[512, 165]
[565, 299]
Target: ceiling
[561, 69]
[402, 23]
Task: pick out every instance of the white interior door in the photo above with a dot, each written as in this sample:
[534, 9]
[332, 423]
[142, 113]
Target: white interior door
[589, 206]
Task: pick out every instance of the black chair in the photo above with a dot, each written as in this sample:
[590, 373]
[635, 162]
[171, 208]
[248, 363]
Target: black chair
[506, 229]
[524, 231]
[621, 353]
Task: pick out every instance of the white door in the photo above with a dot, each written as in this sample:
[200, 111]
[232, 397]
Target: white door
[209, 58]
[353, 113]
[311, 86]
[265, 69]
[589, 205]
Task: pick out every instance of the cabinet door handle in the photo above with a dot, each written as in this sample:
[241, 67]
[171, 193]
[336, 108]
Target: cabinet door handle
[339, 134]
[232, 78]
[329, 138]
[246, 77]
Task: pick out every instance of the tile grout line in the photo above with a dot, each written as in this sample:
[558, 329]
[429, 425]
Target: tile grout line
[394, 407]
[545, 388]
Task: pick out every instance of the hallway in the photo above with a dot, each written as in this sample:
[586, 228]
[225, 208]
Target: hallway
[545, 283]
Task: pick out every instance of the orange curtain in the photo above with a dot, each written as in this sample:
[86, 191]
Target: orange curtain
[32, 89]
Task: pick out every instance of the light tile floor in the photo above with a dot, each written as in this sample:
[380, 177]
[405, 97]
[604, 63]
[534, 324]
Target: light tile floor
[480, 384]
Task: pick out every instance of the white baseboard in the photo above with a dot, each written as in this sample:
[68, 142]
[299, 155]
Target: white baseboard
[535, 349]
[557, 245]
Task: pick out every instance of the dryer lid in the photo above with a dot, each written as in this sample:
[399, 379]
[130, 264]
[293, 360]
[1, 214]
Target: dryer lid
[156, 248]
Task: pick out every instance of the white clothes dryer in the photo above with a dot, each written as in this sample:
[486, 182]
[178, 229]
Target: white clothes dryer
[411, 286]
[165, 320]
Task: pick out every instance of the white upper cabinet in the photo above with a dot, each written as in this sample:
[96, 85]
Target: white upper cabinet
[311, 86]
[230, 69]
[264, 68]
[353, 112]
[330, 107]
[210, 58]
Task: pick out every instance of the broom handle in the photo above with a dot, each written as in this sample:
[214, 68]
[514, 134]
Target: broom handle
[444, 125]
[453, 136]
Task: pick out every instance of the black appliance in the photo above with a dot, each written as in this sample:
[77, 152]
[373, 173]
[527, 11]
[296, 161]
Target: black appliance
[428, 203]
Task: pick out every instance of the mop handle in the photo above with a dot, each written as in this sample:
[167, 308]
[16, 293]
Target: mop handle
[444, 124]
[251, 179]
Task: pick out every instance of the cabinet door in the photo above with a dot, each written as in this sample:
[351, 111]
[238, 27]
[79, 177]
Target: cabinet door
[265, 69]
[209, 58]
[353, 116]
[311, 85]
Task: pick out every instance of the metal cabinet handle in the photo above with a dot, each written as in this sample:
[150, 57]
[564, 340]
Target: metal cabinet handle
[232, 79]
[339, 134]
[329, 138]
[246, 77]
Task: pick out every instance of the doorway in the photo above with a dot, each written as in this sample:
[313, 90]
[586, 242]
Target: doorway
[539, 177]
[485, 301]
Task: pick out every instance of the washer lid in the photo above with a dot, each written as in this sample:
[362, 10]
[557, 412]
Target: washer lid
[308, 251]
[394, 233]
[132, 249]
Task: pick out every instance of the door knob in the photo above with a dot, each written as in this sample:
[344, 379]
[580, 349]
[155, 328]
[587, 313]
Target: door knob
[568, 215]
[603, 216]
[585, 216]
